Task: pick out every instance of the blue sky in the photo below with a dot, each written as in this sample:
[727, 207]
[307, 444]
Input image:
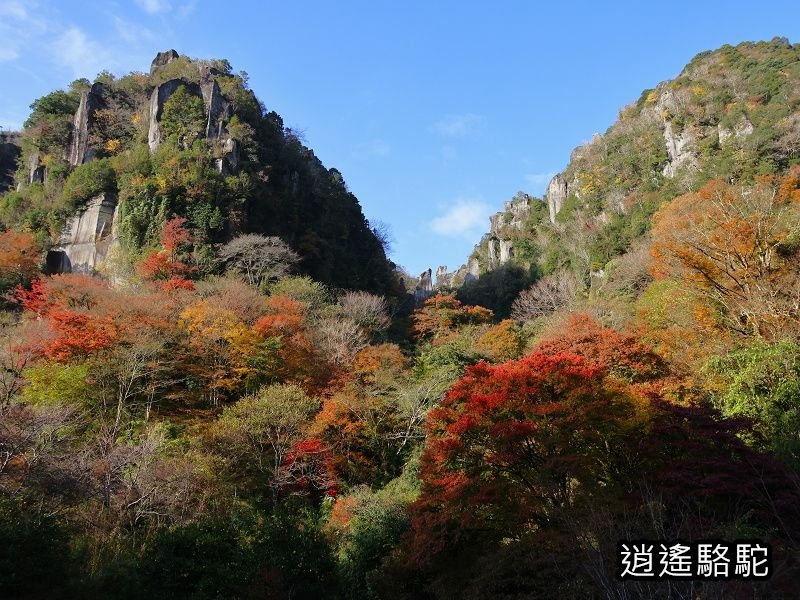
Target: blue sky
[435, 112]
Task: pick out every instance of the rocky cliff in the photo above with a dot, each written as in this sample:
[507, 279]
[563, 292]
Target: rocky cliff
[497, 246]
[731, 113]
[91, 101]
[220, 160]
[87, 237]
[89, 234]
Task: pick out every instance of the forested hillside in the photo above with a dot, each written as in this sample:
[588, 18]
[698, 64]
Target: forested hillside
[189, 139]
[241, 403]
[731, 115]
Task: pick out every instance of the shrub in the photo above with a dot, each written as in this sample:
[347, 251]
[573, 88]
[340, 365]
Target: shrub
[88, 180]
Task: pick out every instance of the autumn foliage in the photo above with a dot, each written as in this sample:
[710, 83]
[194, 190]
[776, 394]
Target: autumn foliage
[442, 314]
[509, 444]
[169, 266]
[546, 452]
[20, 257]
[66, 304]
[738, 246]
[286, 321]
[612, 351]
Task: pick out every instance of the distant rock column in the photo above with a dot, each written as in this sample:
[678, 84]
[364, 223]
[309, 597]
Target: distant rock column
[37, 172]
[162, 59]
[442, 276]
[79, 151]
[80, 133]
[424, 288]
[556, 195]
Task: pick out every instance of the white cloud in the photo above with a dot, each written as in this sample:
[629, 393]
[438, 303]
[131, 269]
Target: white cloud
[17, 25]
[375, 147]
[465, 218]
[537, 182]
[8, 53]
[154, 6]
[75, 51]
[13, 9]
[458, 125]
[130, 32]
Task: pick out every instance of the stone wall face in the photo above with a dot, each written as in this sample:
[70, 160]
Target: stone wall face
[88, 236]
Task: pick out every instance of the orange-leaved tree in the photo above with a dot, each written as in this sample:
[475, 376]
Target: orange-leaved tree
[20, 257]
[621, 354]
[286, 320]
[441, 316]
[512, 444]
[738, 245]
[222, 348]
[66, 304]
[502, 342]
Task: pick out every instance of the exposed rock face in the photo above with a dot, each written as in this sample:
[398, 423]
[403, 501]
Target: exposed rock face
[79, 151]
[424, 288]
[678, 149]
[162, 59]
[499, 252]
[493, 253]
[555, 195]
[473, 269]
[230, 162]
[442, 276]
[520, 209]
[742, 129]
[9, 155]
[157, 99]
[37, 172]
[679, 145]
[466, 273]
[86, 237]
[503, 230]
[506, 251]
[218, 112]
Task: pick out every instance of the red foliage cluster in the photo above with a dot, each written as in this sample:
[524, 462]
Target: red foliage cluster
[84, 315]
[507, 440]
[523, 446]
[64, 302]
[174, 235]
[166, 266]
[308, 469]
[285, 316]
[299, 360]
[615, 352]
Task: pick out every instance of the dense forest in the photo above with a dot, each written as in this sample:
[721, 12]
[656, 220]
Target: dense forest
[242, 400]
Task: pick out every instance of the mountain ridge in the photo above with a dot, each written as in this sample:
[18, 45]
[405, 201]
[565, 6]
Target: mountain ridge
[732, 112]
[188, 139]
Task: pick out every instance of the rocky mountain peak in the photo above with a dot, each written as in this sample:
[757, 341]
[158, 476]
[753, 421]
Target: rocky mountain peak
[162, 59]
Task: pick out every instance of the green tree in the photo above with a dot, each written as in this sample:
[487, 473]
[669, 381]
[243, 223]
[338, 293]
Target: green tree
[183, 117]
[259, 431]
[762, 383]
[88, 180]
